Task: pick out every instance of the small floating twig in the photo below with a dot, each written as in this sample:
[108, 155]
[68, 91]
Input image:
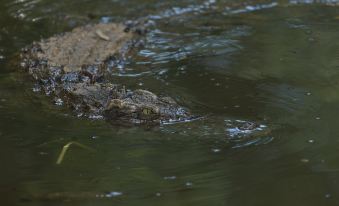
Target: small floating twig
[101, 35]
[65, 148]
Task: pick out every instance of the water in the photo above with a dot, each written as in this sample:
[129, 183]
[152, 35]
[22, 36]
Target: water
[274, 63]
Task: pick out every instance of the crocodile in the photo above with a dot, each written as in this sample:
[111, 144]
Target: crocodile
[74, 69]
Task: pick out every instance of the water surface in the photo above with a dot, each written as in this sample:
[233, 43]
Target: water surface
[275, 63]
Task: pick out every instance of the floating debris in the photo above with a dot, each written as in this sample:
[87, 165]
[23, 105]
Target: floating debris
[102, 35]
[66, 147]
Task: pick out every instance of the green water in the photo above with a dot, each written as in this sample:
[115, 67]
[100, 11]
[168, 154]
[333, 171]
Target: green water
[277, 64]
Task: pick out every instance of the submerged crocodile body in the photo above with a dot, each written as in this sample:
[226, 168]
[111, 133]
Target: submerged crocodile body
[74, 68]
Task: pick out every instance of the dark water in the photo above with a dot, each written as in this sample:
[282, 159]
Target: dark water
[276, 63]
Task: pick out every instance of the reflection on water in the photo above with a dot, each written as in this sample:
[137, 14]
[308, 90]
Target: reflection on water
[262, 75]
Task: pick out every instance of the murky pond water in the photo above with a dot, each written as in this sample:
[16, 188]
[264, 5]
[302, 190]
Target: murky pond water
[274, 63]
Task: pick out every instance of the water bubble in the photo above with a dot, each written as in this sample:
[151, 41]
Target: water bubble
[36, 19]
[59, 102]
[216, 150]
[21, 15]
[36, 88]
[310, 141]
[308, 93]
[158, 194]
[105, 19]
[311, 39]
[23, 64]
[304, 160]
[170, 178]
[93, 116]
[317, 118]
[189, 184]
[113, 194]
[327, 195]
[162, 72]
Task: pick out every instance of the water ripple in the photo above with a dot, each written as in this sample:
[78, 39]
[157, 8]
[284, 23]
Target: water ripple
[175, 11]
[245, 133]
[285, 97]
[21, 9]
[327, 2]
[231, 133]
[249, 8]
[164, 47]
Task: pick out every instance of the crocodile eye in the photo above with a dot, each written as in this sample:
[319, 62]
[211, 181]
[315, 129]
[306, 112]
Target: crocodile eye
[147, 111]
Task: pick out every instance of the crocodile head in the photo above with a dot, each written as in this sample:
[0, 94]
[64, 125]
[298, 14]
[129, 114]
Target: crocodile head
[78, 73]
[141, 106]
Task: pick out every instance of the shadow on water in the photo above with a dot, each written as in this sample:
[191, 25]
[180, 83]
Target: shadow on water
[274, 64]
